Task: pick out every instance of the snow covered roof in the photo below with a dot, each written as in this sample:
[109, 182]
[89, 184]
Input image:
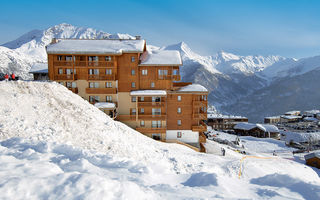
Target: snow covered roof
[312, 155]
[82, 46]
[148, 93]
[310, 119]
[161, 57]
[39, 68]
[273, 117]
[268, 128]
[245, 126]
[312, 112]
[105, 105]
[193, 88]
[216, 115]
[290, 117]
[294, 112]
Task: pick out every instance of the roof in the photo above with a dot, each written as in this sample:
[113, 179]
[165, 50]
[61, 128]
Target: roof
[290, 117]
[215, 115]
[161, 57]
[193, 88]
[245, 126]
[148, 93]
[41, 68]
[83, 46]
[310, 119]
[293, 112]
[312, 155]
[268, 128]
[273, 117]
[105, 105]
[312, 112]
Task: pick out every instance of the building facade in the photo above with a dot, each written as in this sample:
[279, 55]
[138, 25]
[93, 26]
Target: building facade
[137, 87]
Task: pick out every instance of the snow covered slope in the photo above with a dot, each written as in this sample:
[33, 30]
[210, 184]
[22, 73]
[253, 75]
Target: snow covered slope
[53, 138]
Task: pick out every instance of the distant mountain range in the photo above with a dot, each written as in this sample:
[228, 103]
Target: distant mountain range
[252, 86]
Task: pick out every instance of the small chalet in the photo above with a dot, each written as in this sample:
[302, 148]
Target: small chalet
[257, 130]
[313, 159]
[40, 72]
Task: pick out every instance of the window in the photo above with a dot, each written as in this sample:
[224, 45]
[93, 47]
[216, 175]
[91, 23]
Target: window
[68, 71]
[179, 110]
[163, 72]
[141, 123]
[133, 111]
[156, 136]
[60, 71]
[156, 124]
[94, 99]
[94, 71]
[175, 72]
[179, 122]
[68, 58]
[59, 58]
[133, 58]
[68, 84]
[108, 98]
[179, 98]
[152, 84]
[133, 84]
[74, 84]
[142, 110]
[141, 98]
[144, 72]
[108, 71]
[133, 99]
[179, 134]
[93, 85]
[108, 58]
[108, 84]
[133, 72]
[156, 111]
[93, 58]
[156, 99]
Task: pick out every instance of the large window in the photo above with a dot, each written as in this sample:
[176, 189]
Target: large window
[68, 84]
[133, 84]
[156, 111]
[133, 58]
[133, 111]
[108, 84]
[141, 123]
[156, 136]
[142, 110]
[94, 71]
[163, 72]
[175, 72]
[133, 72]
[156, 124]
[179, 98]
[141, 98]
[69, 71]
[156, 99]
[93, 58]
[179, 134]
[68, 58]
[179, 122]
[108, 71]
[93, 85]
[144, 72]
[94, 99]
[74, 84]
[60, 71]
[133, 99]
[108, 98]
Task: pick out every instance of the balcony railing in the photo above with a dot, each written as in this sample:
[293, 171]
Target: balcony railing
[108, 77]
[151, 130]
[74, 90]
[65, 77]
[101, 90]
[199, 128]
[62, 63]
[143, 103]
[169, 77]
[200, 116]
[151, 117]
[126, 117]
[84, 63]
[199, 103]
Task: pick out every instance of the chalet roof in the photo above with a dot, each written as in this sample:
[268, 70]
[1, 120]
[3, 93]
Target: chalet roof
[83, 46]
[221, 116]
[273, 117]
[41, 68]
[245, 126]
[161, 58]
[290, 116]
[105, 105]
[264, 127]
[148, 93]
[312, 155]
[268, 128]
[293, 112]
[193, 88]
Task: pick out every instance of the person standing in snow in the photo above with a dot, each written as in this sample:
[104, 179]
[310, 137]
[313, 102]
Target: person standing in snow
[223, 151]
[13, 76]
[6, 77]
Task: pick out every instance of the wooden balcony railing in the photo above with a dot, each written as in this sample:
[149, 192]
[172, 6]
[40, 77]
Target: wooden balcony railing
[126, 117]
[62, 63]
[151, 130]
[201, 103]
[200, 116]
[151, 117]
[84, 63]
[101, 90]
[65, 77]
[143, 103]
[199, 128]
[202, 138]
[176, 77]
[110, 77]
[74, 90]
[169, 77]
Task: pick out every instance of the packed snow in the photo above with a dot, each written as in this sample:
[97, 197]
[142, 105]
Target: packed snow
[70, 46]
[53, 138]
[193, 88]
[161, 57]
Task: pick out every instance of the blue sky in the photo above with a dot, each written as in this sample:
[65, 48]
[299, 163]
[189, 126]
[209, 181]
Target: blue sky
[279, 27]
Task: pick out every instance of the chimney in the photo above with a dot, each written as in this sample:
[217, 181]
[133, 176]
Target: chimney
[54, 40]
[138, 37]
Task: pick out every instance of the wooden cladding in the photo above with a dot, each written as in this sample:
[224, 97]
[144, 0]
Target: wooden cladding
[108, 77]
[74, 90]
[65, 77]
[151, 130]
[101, 90]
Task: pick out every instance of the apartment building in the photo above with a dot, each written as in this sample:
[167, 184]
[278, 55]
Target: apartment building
[137, 87]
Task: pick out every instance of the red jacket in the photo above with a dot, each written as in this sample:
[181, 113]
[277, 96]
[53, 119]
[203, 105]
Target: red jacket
[13, 76]
[6, 76]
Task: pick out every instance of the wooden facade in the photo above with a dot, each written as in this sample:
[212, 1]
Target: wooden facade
[111, 77]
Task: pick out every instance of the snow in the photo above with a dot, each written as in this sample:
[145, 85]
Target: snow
[290, 117]
[310, 119]
[294, 112]
[217, 115]
[148, 93]
[299, 136]
[101, 46]
[161, 57]
[105, 105]
[51, 137]
[245, 126]
[39, 68]
[268, 128]
[193, 88]
[312, 155]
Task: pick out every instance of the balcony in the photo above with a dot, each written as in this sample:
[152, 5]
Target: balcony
[110, 77]
[65, 77]
[84, 64]
[101, 90]
[62, 63]
[169, 77]
[126, 117]
[176, 77]
[200, 116]
[151, 130]
[200, 128]
[199, 103]
[144, 104]
[152, 117]
[74, 90]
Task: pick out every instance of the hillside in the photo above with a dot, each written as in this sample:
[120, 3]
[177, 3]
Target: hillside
[54, 138]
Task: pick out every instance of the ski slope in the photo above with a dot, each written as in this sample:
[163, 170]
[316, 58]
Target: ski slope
[53, 138]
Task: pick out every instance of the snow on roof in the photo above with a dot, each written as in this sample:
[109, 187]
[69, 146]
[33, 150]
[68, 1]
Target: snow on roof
[300, 136]
[245, 126]
[216, 115]
[193, 88]
[268, 128]
[39, 68]
[310, 119]
[273, 117]
[148, 93]
[312, 155]
[312, 112]
[290, 117]
[105, 105]
[80, 46]
[161, 57]
[294, 112]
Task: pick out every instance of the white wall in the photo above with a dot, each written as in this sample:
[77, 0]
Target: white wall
[187, 136]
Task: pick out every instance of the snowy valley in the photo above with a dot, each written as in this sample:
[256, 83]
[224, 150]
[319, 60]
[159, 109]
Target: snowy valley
[53, 138]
